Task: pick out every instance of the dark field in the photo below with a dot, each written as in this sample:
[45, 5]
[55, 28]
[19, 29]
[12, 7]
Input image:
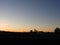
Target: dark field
[29, 37]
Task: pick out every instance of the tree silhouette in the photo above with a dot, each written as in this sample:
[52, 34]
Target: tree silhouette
[57, 30]
[31, 31]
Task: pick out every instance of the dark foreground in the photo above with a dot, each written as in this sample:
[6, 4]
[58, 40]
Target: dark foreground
[29, 37]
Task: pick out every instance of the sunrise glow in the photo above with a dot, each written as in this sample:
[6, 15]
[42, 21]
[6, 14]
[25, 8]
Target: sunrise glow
[23, 16]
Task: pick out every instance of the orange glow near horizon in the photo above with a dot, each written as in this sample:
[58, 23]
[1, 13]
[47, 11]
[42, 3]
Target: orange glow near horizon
[23, 29]
[7, 26]
[26, 15]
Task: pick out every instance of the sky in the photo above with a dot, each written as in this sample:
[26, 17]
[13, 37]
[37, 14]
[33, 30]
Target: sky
[25, 15]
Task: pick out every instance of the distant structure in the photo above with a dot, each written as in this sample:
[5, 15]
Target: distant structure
[35, 30]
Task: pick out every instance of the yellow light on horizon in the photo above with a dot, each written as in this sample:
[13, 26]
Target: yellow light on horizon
[8, 26]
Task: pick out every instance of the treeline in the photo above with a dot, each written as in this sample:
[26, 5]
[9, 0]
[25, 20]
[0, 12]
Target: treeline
[57, 30]
[33, 34]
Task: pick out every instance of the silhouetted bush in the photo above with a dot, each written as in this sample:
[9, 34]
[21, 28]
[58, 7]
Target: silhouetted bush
[57, 30]
[31, 30]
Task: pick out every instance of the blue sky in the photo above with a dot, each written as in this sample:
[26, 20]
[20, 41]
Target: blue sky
[30, 13]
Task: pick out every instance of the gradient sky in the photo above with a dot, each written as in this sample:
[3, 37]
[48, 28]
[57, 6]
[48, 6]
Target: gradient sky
[24, 15]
